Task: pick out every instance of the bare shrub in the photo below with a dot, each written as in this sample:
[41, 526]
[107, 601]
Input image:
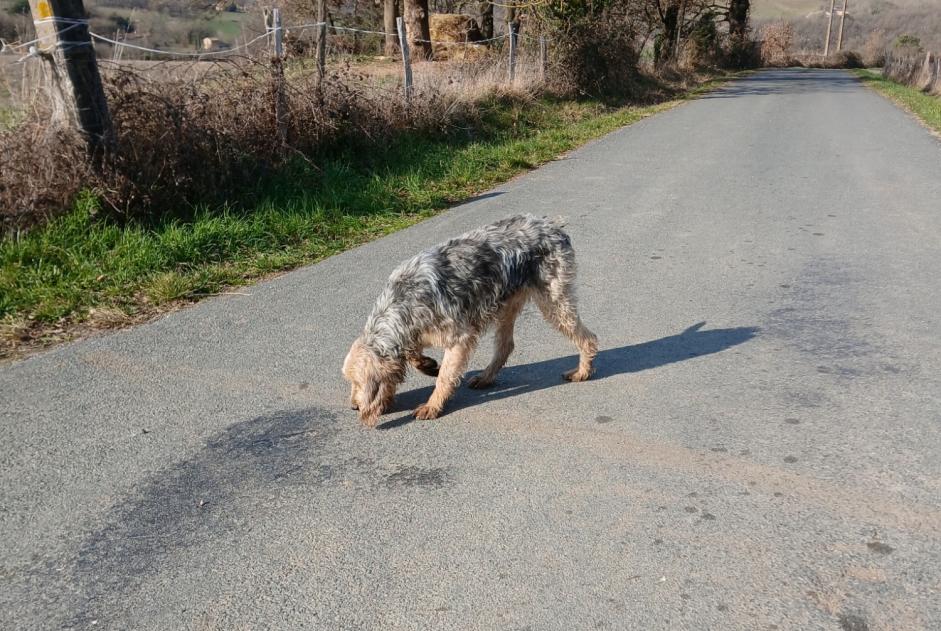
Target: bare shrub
[594, 57]
[919, 69]
[41, 171]
[873, 50]
[842, 59]
[188, 136]
[847, 59]
[776, 40]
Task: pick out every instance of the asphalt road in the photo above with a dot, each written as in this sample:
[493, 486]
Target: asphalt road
[760, 449]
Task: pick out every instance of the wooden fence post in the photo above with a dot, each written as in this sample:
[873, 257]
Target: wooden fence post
[321, 42]
[543, 57]
[406, 62]
[278, 33]
[77, 89]
[513, 37]
[276, 42]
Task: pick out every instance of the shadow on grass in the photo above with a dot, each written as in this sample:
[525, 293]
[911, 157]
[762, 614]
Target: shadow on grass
[527, 378]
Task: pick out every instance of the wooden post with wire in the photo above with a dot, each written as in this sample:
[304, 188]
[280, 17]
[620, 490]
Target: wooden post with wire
[275, 32]
[406, 61]
[321, 44]
[77, 92]
[826, 47]
[543, 57]
[513, 42]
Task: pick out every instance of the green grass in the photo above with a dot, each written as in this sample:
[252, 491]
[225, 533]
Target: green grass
[924, 106]
[56, 275]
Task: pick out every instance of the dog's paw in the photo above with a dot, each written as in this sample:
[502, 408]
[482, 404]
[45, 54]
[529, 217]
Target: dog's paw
[576, 375]
[479, 383]
[426, 412]
[427, 366]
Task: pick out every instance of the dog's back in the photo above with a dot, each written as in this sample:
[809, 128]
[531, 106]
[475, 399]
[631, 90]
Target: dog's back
[470, 276]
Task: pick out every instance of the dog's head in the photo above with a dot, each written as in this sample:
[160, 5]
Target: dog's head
[373, 381]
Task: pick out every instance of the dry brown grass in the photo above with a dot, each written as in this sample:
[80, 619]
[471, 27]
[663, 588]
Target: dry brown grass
[191, 133]
[918, 69]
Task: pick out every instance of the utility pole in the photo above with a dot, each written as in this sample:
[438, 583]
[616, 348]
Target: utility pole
[826, 48]
[839, 41]
[79, 97]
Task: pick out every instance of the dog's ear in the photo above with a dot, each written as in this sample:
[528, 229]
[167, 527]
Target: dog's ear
[379, 378]
[370, 401]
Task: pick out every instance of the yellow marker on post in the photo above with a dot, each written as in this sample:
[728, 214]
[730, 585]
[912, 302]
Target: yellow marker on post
[43, 9]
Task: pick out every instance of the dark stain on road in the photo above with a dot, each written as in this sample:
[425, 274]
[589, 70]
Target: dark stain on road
[708, 516]
[411, 476]
[202, 497]
[242, 470]
[853, 622]
[816, 317]
[792, 421]
[880, 548]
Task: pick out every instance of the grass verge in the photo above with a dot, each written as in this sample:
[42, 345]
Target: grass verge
[925, 106]
[83, 271]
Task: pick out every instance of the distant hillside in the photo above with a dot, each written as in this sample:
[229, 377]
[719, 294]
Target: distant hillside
[871, 25]
[763, 9]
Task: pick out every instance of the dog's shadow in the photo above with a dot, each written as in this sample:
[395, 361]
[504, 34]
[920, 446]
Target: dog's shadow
[523, 379]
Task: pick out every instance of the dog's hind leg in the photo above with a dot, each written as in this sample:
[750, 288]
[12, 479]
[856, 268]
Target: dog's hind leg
[558, 308]
[449, 376]
[503, 341]
[424, 364]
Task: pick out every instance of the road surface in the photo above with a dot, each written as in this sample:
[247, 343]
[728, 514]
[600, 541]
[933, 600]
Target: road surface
[760, 448]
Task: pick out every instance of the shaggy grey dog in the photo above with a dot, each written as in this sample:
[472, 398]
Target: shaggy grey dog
[449, 295]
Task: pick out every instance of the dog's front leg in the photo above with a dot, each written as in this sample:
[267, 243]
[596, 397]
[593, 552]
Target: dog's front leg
[449, 377]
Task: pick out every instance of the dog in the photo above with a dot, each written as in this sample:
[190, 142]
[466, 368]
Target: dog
[449, 295]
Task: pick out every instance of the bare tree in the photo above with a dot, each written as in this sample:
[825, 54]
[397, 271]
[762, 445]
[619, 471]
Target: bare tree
[390, 11]
[417, 28]
[738, 19]
[486, 19]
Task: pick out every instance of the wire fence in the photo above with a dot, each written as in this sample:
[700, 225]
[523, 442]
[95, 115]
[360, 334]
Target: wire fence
[461, 66]
[181, 127]
[919, 70]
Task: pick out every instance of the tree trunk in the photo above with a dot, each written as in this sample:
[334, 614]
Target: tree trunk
[666, 43]
[417, 29]
[738, 20]
[486, 19]
[390, 11]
